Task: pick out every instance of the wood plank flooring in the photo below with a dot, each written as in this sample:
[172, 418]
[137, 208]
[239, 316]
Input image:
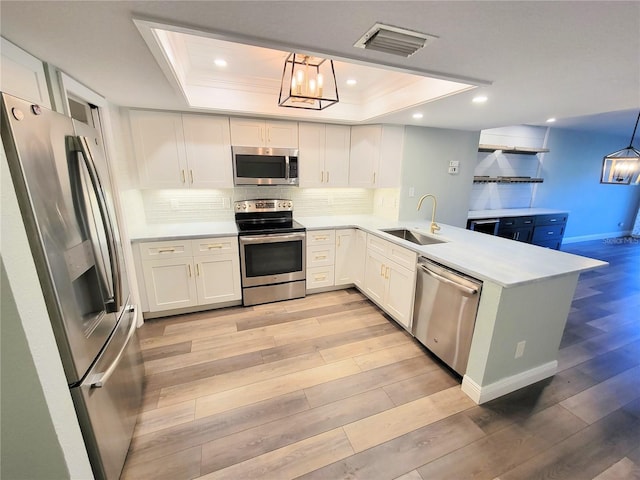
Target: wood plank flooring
[328, 387]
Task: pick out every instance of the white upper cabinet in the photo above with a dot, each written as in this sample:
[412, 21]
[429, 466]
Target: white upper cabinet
[22, 75]
[376, 156]
[181, 151]
[208, 145]
[248, 132]
[324, 155]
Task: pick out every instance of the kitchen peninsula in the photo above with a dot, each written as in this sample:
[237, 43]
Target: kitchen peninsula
[526, 294]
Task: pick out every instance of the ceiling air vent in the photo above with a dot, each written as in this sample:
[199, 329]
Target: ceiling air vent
[394, 40]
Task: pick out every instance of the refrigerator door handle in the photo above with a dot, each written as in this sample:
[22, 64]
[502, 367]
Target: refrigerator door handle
[85, 151]
[102, 380]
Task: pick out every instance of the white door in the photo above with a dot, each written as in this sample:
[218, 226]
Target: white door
[158, 141]
[282, 134]
[336, 155]
[400, 292]
[217, 278]
[208, 150]
[169, 283]
[345, 259]
[375, 282]
[359, 258]
[246, 132]
[311, 155]
[365, 152]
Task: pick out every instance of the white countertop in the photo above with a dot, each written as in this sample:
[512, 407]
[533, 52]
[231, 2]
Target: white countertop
[485, 257]
[175, 231]
[511, 212]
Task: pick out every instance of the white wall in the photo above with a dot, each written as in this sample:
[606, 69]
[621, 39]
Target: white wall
[427, 152]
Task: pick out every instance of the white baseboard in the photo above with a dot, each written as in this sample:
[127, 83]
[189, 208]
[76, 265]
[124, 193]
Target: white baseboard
[598, 236]
[507, 385]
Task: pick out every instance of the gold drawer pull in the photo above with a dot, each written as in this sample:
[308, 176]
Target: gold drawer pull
[166, 250]
[320, 257]
[213, 246]
[320, 277]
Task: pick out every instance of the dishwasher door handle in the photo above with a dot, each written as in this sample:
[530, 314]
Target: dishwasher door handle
[464, 288]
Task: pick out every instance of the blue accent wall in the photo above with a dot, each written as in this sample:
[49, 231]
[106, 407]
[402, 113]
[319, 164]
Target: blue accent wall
[571, 172]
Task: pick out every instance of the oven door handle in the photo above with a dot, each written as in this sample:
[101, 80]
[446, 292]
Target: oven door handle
[272, 238]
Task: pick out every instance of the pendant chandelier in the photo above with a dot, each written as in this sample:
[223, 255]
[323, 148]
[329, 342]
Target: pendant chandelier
[622, 167]
[308, 82]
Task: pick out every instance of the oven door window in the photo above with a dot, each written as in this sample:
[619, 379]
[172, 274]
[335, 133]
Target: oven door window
[263, 259]
[261, 166]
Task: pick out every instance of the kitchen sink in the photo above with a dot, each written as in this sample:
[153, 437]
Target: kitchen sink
[413, 236]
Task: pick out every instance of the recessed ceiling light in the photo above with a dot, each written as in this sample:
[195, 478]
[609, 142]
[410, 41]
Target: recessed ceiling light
[220, 62]
[551, 120]
[479, 99]
[351, 82]
[417, 116]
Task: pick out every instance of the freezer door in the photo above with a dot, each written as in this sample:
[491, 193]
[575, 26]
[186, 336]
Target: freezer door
[66, 229]
[108, 400]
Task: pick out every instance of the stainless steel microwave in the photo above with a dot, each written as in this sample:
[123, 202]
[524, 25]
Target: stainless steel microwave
[265, 166]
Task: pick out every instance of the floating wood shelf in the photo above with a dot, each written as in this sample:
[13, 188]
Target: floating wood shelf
[511, 149]
[507, 180]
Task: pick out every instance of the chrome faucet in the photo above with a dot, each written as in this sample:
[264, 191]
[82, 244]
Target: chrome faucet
[434, 226]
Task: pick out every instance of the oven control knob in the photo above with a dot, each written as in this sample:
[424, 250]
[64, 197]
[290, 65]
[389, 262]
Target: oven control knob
[290, 204]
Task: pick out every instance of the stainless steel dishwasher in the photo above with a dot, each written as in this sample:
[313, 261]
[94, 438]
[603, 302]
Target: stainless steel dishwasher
[445, 312]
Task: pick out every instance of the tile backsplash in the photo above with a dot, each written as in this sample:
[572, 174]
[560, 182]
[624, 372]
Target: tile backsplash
[186, 206]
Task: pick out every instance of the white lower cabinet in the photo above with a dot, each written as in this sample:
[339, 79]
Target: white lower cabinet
[345, 256]
[389, 278]
[189, 273]
[359, 258]
[320, 258]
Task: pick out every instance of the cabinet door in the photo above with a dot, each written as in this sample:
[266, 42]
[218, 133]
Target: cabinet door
[359, 255]
[311, 155]
[169, 283]
[365, 154]
[208, 150]
[400, 292]
[375, 282]
[320, 255]
[282, 134]
[217, 278]
[391, 151]
[246, 132]
[345, 258]
[318, 277]
[23, 74]
[336, 155]
[158, 142]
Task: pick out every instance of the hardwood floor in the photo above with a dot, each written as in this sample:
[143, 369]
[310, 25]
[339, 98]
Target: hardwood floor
[327, 387]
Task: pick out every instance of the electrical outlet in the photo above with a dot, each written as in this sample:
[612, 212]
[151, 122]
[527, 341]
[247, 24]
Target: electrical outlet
[520, 349]
[453, 170]
[454, 163]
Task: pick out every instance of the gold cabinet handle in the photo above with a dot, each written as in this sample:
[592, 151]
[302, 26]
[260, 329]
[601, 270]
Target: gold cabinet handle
[386, 275]
[191, 175]
[321, 177]
[166, 250]
[320, 257]
[189, 268]
[374, 178]
[214, 246]
[327, 176]
[183, 176]
[320, 277]
[198, 269]
[382, 270]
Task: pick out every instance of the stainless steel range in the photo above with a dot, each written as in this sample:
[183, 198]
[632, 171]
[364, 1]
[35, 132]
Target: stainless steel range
[272, 251]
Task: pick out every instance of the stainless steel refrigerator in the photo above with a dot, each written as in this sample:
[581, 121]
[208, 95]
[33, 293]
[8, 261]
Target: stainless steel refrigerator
[63, 186]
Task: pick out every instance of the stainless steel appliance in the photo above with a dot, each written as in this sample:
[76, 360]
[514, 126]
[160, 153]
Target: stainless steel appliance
[265, 166]
[445, 312]
[272, 251]
[60, 174]
[485, 225]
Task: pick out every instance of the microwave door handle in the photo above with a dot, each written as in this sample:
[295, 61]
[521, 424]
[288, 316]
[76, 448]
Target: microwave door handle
[85, 152]
[287, 168]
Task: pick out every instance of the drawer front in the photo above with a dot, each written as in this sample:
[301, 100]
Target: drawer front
[320, 255]
[167, 249]
[543, 233]
[215, 246]
[553, 243]
[554, 219]
[378, 245]
[320, 277]
[515, 222]
[403, 257]
[321, 237]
